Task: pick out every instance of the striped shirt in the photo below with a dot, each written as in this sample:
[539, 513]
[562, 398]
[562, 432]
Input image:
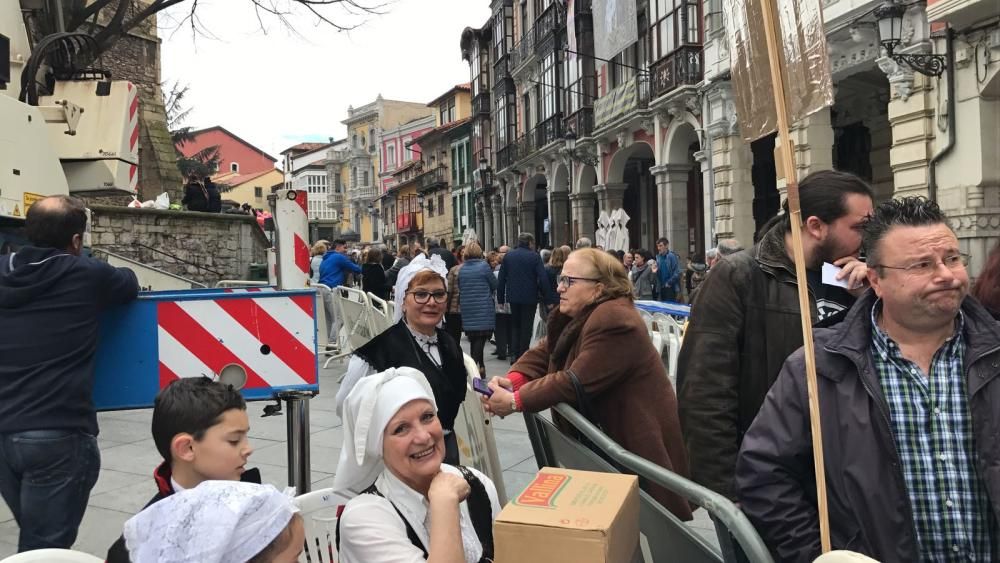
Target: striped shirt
[932, 427]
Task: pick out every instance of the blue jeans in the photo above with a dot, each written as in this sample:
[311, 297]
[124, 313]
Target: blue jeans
[45, 478]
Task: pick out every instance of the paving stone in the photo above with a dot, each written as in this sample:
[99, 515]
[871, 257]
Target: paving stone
[139, 459]
[111, 480]
[101, 527]
[124, 431]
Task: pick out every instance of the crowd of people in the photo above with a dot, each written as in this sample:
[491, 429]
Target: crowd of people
[907, 352]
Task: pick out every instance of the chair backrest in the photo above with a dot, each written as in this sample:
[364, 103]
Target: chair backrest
[477, 445]
[319, 517]
[52, 556]
[381, 313]
[668, 538]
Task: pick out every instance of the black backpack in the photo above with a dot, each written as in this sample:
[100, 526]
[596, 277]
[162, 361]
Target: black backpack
[480, 510]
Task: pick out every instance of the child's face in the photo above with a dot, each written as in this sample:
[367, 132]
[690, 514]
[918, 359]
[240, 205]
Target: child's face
[222, 454]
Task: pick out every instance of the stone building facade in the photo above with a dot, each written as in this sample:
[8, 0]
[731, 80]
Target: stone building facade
[657, 133]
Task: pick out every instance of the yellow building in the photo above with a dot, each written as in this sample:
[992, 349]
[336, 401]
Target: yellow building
[364, 161]
[251, 188]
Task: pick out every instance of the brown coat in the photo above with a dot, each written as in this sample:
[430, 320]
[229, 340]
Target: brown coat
[630, 394]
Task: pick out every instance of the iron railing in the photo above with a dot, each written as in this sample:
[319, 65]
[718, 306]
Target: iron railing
[505, 156]
[523, 50]
[547, 27]
[683, 67]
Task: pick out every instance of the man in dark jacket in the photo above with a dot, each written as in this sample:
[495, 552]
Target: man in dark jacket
[433, 248]
[746, 320]
[50, 302]
[521, 281]
[909, 391]
[214, 196]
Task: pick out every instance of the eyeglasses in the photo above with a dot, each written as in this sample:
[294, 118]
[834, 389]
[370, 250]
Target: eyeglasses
[422, 297]
[568, 281]
[926, 267]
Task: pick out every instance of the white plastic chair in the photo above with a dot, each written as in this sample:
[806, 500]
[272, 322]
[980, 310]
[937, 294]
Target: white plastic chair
[356, 327]
[319, 517]
[52, 556]
[381, 314]
[671, 331]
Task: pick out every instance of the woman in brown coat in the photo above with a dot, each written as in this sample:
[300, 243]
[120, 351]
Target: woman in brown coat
[598, 335]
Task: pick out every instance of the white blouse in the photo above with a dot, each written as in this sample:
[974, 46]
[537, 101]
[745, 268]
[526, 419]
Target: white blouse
[371, 531]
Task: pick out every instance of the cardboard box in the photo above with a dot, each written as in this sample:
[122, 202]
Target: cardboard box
[568, 515]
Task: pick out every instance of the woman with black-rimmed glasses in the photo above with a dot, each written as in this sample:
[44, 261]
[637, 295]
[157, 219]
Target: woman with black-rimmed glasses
[417, 341]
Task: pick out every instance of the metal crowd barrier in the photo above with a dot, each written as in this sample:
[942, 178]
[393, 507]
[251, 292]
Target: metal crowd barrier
[669, 539]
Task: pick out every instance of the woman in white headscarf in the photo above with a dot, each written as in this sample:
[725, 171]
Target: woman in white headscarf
[417, 341]
[409, 505]
[218, 522]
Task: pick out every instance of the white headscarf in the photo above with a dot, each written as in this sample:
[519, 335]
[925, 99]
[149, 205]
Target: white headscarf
[215, 522]
[367, 411]
[417, 265]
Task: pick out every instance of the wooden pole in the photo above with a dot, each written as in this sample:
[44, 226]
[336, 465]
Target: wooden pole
[787, 151]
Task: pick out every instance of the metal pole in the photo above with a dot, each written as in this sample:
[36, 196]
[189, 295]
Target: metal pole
[297, 409]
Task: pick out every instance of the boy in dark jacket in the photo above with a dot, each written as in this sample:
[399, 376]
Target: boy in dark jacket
[195, 195]
[200, 428]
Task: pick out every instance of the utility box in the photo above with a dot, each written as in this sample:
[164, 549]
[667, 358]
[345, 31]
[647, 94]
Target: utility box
[569, 515]
[260, 337]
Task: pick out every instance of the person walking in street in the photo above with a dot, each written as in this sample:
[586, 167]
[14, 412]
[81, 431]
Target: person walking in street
[644, 279]
[51, 298]
[453, 311]
[668, 268]
[402, 259]
[909, 390]
[316, 258]
[477, 288]
[522, 279]
[746, 320]
[434, 248]
[333, 272]
[502, 328]
[373, 276]
[598, 357]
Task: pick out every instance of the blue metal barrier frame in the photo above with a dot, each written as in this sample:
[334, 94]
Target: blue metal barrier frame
[121, 385]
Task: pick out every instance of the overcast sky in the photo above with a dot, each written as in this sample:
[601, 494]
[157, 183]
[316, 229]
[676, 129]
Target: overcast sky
[278, 89]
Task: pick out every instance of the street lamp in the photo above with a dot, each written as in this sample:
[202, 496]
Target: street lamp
[485, 173]
[570, 150]
[420, 201]
[890, 31]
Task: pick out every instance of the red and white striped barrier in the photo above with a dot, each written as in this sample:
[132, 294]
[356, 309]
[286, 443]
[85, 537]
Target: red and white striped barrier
[291, 219]
[273, 339]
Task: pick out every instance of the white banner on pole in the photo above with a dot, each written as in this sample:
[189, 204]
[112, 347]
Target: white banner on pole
[615, 27]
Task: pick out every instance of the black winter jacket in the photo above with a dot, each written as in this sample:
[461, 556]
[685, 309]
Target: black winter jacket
[50, 304]
[523, 280]
[869, 507]
[745, 324]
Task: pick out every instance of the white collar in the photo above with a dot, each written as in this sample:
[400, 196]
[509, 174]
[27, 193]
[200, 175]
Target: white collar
[175, 485]
[422, 338]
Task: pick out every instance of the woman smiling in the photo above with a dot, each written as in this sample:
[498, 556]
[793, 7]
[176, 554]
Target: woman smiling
[415, 507]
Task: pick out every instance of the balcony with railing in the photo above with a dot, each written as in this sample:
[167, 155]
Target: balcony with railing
[523, 51]
[547, 27]
[505, 156]
[546, 132]
[683, 67]
[482, 104]
[579, 105]
[360, 192]
[633, 95]
[433, 179]
[407, 222]
[338, 156]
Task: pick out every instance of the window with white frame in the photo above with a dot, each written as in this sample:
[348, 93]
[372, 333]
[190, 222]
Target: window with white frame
[234, 167]
[390, 157]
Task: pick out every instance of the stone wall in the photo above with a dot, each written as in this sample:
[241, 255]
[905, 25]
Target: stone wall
[204, 247]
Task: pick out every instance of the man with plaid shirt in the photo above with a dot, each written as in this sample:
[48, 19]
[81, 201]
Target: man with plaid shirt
[909, 391]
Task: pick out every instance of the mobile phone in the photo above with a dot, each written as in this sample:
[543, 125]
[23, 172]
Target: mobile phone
[479, 385]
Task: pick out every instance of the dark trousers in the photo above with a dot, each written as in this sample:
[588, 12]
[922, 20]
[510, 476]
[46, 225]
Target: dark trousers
[502, 335]
[453, 326]
[45, 478]
[522, 320]
[668, 294]
[477, 342]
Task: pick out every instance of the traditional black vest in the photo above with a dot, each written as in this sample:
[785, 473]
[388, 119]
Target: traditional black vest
[396, 348]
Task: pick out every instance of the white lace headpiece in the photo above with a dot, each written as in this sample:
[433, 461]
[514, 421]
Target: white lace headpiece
[418, 264]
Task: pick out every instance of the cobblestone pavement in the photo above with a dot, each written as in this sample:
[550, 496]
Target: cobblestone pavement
[128, 458]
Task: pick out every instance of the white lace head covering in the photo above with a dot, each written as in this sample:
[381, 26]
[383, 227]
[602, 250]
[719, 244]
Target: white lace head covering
[367, 411]
[418, 264]
[215, 522]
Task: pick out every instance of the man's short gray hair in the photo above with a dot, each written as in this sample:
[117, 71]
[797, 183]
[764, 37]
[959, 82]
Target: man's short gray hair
[584, 242]
[728, 246]
[525, 238]
[711, 253]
